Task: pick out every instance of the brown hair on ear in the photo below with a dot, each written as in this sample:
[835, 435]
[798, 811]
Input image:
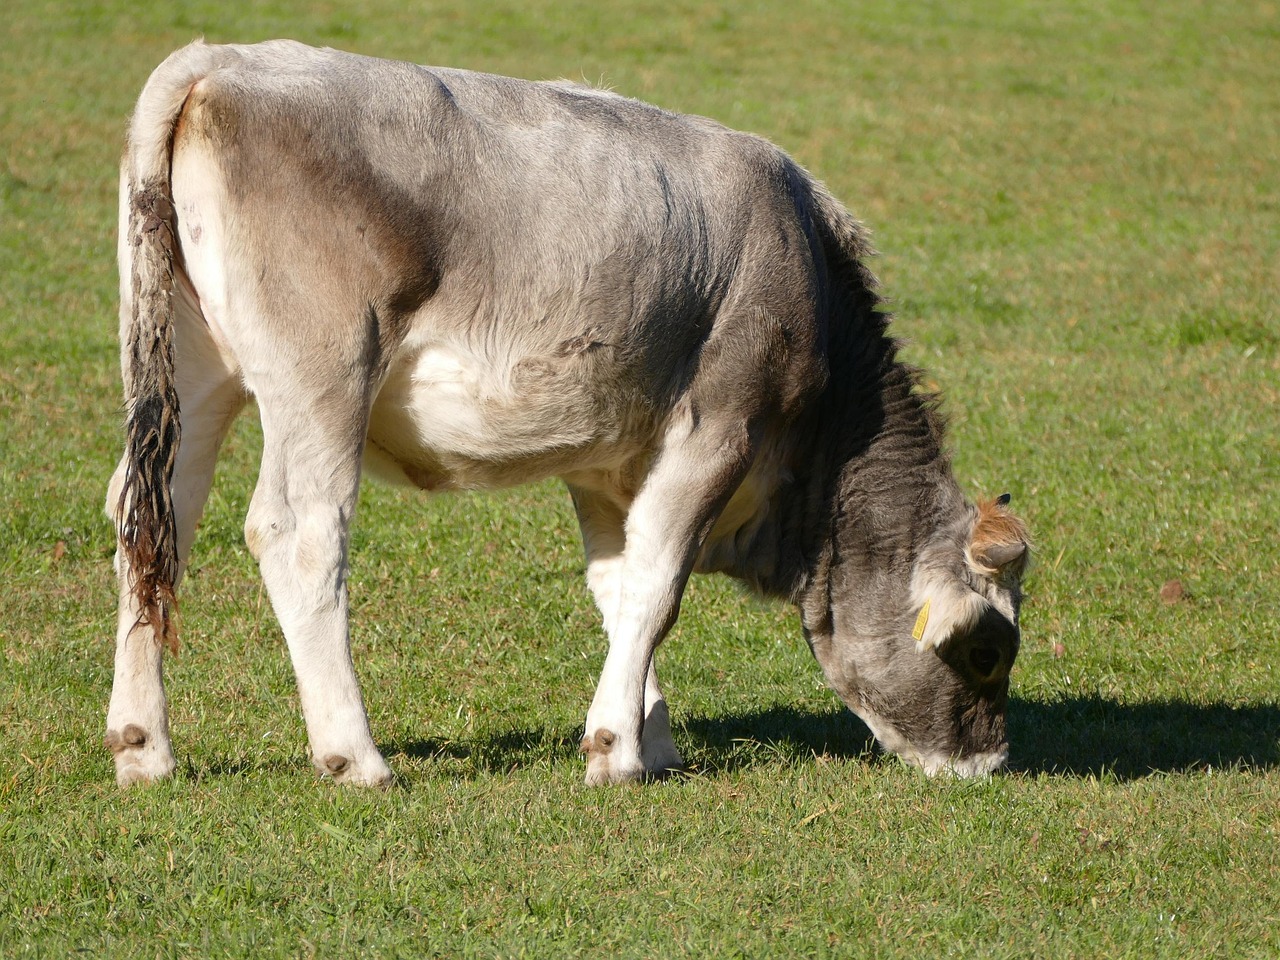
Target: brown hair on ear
[999, 542]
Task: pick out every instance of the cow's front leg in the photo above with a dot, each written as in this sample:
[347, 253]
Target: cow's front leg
[696, 473]
[610, 749]
[657, 746]
[298, 527]
[603, 522]
[628, 731]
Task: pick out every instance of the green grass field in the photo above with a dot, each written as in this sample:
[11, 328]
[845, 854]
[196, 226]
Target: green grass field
[1078, 211]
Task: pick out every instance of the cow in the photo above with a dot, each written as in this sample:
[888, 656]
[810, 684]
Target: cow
[455, 281]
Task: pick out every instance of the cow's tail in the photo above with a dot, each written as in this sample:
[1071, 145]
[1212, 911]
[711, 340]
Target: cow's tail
[146, 526]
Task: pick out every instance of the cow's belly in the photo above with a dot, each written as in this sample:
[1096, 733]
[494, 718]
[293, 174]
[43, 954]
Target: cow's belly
[446, 418]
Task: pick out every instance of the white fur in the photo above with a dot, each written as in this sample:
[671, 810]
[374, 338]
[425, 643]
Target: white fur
[646, 586]
[953, 607]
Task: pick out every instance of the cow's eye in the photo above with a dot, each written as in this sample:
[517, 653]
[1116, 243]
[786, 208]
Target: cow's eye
[984, 660]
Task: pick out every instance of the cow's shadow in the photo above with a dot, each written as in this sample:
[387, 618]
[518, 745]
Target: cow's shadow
[1095, 736]
[1075, 737]
[491, 753]
[1072, 737]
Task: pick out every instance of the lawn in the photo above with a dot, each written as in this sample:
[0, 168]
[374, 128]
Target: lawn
[1078, 212]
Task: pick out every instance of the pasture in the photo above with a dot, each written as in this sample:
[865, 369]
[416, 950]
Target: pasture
[1078, 212]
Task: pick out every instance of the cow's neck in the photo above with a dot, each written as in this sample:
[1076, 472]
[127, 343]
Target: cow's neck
[870, 480]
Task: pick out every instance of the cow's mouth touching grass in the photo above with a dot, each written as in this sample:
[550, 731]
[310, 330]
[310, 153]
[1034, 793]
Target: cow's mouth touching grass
[934, 763]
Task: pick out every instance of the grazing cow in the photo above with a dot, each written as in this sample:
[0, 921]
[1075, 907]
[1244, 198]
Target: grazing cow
[460, 281]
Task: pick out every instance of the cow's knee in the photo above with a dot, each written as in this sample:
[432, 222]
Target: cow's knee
[258, 529]
[268, 520]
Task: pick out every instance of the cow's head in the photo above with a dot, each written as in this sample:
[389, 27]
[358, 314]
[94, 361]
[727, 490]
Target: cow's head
[925, 663]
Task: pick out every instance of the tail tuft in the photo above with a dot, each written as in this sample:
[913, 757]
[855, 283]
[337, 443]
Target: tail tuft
[147, 528]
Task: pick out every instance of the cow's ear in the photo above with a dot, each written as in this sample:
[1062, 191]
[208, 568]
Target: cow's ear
[946, 607]
[999, 546]
[948, 604]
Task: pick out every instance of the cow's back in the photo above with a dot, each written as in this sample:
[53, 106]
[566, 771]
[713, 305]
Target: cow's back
[535, 264]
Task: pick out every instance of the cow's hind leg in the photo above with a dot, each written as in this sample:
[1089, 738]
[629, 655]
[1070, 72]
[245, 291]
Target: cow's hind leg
[298, 529]
[210, 397]
[604, 538]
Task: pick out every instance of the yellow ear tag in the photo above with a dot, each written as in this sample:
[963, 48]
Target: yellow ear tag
[922, 621]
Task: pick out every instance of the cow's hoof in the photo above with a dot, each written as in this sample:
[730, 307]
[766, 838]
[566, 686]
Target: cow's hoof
[139, 758]
[371, 771]
[661, 760]
[607, 762]
[657, 747]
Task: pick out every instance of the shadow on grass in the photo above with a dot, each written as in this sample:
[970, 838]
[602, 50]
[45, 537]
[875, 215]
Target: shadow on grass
[1094, 736]
[495, 753]
[743, 740]
[709, 744]
[1080, 737]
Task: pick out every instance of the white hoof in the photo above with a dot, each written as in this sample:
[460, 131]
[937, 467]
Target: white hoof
[140, 758]
[608, 761]
[657, 747]
[369, 771]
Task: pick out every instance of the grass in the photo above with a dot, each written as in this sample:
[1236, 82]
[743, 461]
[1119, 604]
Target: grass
[1078, 207]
